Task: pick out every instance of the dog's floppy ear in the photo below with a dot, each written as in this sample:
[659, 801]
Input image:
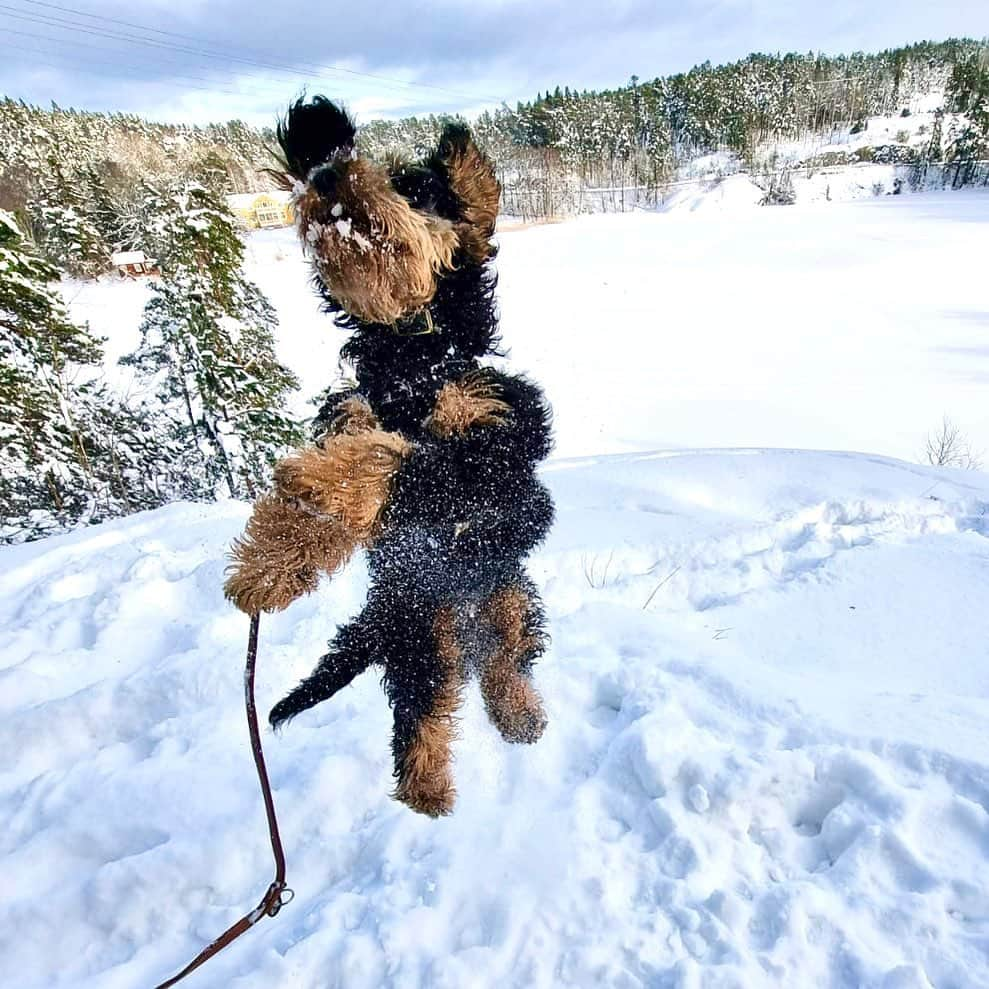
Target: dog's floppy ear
[472, 181]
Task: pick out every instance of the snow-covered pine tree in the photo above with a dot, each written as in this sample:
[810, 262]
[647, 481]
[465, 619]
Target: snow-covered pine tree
[108, 198]
[46, 480]
[70, 449]
[207, 342]
[139, 224]
[60, 216]
[968, 93]
[212, 171]
[135, 460]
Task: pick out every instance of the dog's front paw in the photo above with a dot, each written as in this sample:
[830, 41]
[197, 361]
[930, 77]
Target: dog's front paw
[276, 560]
[254, 588]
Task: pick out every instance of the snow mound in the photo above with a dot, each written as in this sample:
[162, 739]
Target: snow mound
[766, 762]
[734, 192]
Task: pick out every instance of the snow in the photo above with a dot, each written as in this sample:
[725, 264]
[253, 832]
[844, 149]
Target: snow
[833, 326]
[914, 129]
[766, 763]
[855, 325]
[719, 180]
[774, 775]
[128, 257]
[9, 222]
[733, 192]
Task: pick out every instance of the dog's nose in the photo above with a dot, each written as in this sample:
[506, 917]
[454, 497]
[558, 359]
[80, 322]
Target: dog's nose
[324, 180]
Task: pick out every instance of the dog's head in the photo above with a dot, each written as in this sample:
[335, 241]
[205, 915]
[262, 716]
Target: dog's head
[382, 236]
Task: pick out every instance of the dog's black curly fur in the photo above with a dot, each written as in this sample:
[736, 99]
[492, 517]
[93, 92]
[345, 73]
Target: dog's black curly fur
[465, 510]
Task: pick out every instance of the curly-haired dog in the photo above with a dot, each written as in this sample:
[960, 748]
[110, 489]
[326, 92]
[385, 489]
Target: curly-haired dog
[429, 462]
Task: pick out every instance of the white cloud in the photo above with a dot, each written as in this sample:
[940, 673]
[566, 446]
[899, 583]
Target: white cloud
[437, 57]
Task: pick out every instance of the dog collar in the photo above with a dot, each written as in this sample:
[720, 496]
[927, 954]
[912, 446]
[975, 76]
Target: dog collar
[418, 324]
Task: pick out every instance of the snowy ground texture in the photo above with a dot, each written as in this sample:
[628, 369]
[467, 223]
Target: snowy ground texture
[768, 686]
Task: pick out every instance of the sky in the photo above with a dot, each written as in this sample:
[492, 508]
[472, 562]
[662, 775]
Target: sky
[206, 60]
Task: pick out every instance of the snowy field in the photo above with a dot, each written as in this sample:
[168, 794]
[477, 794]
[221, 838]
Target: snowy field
[768, 686]
[837, 326]
[842, 326]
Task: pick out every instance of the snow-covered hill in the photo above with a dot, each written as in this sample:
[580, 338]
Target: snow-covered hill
[766, 764]
[843, 164]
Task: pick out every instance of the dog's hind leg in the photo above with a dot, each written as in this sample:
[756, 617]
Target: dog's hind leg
[516, 615]
[350, 654]
[425, 678]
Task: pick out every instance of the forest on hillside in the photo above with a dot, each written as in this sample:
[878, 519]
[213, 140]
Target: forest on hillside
[63, 166]
[552, 149]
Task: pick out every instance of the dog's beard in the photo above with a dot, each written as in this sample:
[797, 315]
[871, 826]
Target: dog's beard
[377, 256]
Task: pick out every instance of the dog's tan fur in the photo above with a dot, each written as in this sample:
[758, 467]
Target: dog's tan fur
[471, 401]
[282, 553]
[327, 503]
[473, 182]
[349, 477]
[354, 416]
[378, 256]
[513, 704]
[426, 778]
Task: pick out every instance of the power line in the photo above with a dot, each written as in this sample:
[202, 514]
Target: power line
[61, 23]
[83, 44]
[101, 72]
[165, 66]
[58, 21]
[221, 45]
[115, 64]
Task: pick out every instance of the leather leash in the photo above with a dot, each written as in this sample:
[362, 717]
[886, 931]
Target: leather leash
[278, 893]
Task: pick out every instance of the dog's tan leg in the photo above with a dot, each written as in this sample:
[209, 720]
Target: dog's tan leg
[513, 704]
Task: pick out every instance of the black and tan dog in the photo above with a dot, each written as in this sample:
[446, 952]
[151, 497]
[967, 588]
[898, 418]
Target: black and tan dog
[429, 462]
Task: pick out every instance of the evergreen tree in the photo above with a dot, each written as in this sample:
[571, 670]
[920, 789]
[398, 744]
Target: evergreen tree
[968, 93]
[45, 477]
[934, 151]
[135, 459]
[60, 215]
[213, 171]
[105, 188]
[70, 450]
[207, 343]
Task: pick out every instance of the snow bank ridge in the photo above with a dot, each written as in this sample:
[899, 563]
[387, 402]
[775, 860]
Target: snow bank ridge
[714, 572]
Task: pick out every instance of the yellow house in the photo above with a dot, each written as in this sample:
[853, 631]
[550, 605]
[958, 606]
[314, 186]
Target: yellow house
[262, 209]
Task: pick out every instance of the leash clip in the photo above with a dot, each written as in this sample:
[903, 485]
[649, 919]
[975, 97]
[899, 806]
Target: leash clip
[278, 896]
